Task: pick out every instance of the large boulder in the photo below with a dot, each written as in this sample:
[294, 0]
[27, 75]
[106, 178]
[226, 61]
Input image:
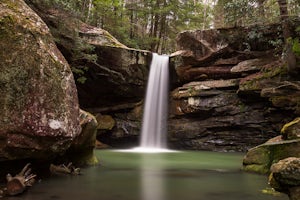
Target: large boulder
[285, 177]
[39, 105]
[260, 158]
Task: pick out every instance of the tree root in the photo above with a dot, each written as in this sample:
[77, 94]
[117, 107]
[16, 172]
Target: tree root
[64, 169]
[19, 183]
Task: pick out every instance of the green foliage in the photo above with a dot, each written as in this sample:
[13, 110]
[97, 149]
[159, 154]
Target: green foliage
[296, 43]
[79, 73]
[277, 43]
[238, 12]
[295, 46]
[153, 24]
[148, 24]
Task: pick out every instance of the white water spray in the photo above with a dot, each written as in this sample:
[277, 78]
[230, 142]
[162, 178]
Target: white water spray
[154, 127]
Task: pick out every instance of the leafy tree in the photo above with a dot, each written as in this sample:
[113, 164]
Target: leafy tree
[154, 24]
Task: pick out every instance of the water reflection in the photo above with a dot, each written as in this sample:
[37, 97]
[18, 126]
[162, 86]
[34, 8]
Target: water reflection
[153, 186]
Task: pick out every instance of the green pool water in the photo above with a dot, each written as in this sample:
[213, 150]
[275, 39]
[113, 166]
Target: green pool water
[161, 176]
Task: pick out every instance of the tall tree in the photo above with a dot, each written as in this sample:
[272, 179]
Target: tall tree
[290, 56]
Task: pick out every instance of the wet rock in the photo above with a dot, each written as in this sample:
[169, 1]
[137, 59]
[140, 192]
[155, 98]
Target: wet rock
[81, 151]
[105, 122]
[40, 112]
[285, 177]
[239, 131]
[100, 145]
[259, 159]
[124, 134]
[291, 130]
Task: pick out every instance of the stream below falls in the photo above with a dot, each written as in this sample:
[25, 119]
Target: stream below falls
[182, 175]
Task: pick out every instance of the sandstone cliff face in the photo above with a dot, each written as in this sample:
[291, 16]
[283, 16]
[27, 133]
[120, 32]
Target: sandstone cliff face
[235, 93]
[39, 105]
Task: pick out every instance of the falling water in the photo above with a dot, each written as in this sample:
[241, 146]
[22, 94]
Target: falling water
[154, 127]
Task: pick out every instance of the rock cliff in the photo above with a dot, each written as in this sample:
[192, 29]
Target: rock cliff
[230, 89]
[107, 72]
[235, 93]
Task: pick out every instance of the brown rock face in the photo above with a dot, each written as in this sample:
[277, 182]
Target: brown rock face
[233, 92]
[285, 177]
[219, 53]
[113, 73]
[39, 106]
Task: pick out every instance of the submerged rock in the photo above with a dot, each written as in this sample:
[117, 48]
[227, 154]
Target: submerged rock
[39, 104]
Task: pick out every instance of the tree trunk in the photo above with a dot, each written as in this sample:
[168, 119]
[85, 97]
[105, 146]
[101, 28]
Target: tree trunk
[290, 56]
[90, 6]
[161, 30]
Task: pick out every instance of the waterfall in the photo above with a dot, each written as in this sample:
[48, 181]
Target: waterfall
[154, 127]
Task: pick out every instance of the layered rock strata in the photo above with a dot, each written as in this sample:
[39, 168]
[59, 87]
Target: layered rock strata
[235, 94]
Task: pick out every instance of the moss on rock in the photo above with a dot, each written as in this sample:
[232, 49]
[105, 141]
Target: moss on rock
[291, 130]
[39, 116]
[259, 159]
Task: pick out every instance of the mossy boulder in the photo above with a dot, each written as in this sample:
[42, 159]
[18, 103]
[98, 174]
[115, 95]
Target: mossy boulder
[285, 177]
[39, 104]
[259, 159]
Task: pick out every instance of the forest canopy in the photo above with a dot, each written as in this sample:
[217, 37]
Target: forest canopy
[153, 24]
